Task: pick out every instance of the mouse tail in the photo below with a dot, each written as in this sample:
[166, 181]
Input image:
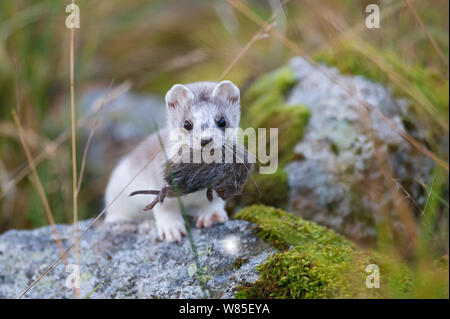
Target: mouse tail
[144, 192]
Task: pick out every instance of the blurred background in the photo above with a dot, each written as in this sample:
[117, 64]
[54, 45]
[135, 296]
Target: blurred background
[129, 53]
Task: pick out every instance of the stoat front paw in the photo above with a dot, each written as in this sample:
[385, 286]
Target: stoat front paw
[207, 219]
[171, 230]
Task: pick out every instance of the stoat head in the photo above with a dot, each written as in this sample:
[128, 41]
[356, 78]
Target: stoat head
[203, 112]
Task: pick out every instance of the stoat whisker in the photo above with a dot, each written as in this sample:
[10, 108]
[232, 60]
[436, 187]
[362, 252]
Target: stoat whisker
[234, 171]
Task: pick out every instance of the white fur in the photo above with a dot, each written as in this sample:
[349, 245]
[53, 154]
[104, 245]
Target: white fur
[169, 220]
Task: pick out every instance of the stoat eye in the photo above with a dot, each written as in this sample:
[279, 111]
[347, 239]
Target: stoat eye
[221, 122]
[187, 125]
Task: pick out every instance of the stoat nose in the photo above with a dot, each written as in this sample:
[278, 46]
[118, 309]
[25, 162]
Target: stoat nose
[205, 141]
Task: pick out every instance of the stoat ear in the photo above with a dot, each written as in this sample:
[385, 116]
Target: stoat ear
[226, 91]
[178, 95]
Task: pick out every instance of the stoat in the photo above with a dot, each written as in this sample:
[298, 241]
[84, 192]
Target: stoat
[199, 113]
[226, 178]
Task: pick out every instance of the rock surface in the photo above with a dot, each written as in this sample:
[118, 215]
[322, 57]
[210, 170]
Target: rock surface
[337, 159]
[126, 260]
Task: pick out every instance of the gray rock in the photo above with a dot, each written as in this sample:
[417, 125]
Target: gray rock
[328, 185]
[125, 119]
[128, 261]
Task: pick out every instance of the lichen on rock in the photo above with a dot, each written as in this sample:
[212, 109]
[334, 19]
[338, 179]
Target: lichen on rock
[327, 159]
[336, 175]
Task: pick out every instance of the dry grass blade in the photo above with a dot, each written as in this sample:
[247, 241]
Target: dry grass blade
[424, 29]
[37, 181]
[86, 149]
[297, 50]
[51, 147]
[428, 195]
[258, 35]
[428, 189]
[91, 224]
[401, 208]
[370, 52]
[26, 168]
[360, 26]
[407, 194]
[88, 142]
[74, 151]
[8, 205]
[10, 130]
[39, 186]
[357, 44]
[18, 86]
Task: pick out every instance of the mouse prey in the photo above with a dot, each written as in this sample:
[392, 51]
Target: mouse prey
[226, 179]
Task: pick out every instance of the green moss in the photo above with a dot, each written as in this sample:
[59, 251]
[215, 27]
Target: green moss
[279, 80]
[283, 229]
[264, 106]
[267, 189]
[319, 263]
[266, 97]
[258, 110]
[291, 122]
